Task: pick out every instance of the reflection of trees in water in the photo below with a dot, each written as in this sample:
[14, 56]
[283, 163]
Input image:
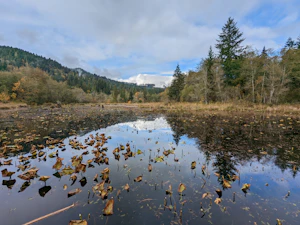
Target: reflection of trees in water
[51, 124]
[225, 166]
[233, 139]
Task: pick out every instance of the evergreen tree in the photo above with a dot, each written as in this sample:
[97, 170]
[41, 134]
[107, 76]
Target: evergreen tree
[290, 43]
[264, 52]
[177, 85]
[297, 44]
[130, 96]
[230, 51]
[209, 62]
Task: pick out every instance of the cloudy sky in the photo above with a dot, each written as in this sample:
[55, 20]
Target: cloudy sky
[140, 40]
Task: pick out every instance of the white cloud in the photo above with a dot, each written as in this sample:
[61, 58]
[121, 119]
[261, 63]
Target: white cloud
[158, 80]
[125, 38]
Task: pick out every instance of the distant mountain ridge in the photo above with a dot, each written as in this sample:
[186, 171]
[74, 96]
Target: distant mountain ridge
[77, 77]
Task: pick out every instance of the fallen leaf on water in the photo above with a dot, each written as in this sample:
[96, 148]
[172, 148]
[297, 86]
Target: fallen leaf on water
[149, 167]
[104, 194]
[74, 192]
[44, 178]
[6, 173]
[169, 191]
[217, 174]
[203, 168]
[109, 208]
[245, 187]
[218, 201]
[80, 167]
[205, 195]
[138, 179]
[73, 177]
[25, 185]
[126, 187]
[95, 177]
[139, 151]
[193, 165]
[67, 171]
[181, 187]
[58, 163]
[278, 222]
[226, 183]
[78, 222]
[219, 192]
[99, 187]
[65, 187]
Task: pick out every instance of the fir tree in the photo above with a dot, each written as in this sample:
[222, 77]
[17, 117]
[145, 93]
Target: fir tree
[177, 85]
[230, 50]
[290, 43]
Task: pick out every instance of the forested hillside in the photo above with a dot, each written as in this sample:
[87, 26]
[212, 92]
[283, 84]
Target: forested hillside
[15, 65]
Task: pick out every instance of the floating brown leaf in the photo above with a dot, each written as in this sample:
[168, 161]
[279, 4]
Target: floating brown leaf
[109, 208]
[74, 192]
[44, 178]
[219, 192]
[149, 167]
[193, 165]
[80, 167]
[138, 179]
[245, 187]
[217, 174]
[104, 194]
[67, 171]
[6, 173]
[181, 187]
[205, 195]
[203, 168]
[218, 201]
[99, 187]
[226, 183]
[278, 222]
[169, 191]
[126, 187]
[95, 177]
[78, 222]
[58, 163]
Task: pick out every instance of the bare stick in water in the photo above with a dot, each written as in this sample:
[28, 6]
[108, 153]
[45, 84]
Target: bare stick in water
[50, 214]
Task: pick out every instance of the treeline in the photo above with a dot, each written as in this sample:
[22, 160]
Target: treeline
[79, 85]
[236, 73]
[34, 86]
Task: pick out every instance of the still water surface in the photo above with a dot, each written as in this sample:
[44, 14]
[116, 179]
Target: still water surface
[274, 192]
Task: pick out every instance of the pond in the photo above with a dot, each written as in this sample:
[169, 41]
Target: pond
[171, 169]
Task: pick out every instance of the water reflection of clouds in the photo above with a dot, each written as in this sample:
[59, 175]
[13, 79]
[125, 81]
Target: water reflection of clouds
[159, 123]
